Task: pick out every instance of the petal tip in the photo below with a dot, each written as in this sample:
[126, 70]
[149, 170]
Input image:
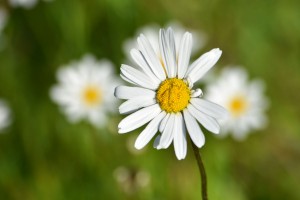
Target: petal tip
[180, 157]
[121, 130]
[217, 51]
[137, 145]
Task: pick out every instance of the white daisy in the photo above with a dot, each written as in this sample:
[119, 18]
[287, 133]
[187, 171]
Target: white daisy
[5, 115]
[244, 100]
[85, 90]
[163, 94]
[150, 31]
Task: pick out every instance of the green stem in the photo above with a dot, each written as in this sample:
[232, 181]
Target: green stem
[201, 170]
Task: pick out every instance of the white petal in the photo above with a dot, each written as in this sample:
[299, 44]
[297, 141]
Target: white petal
[164, 123]
[184, 54]
[151, 57]
[209, 108]
[203, 64]
[141, 61]
[126, 92]
[167, 136]
[137, 77]
[126, 79]
[156, 142]
[67, 75]
[180, 144]
[197, 93]
[208, 122]
[132, 105]
[168, 51]
[148, 133]
[193, 128]
[139, 118]
[65, 96]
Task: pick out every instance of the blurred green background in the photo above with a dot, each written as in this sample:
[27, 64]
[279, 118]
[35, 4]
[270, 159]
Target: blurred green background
[43, 156]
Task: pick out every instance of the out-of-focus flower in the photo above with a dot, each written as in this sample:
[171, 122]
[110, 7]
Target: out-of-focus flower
[131, 180]
[164, 96]
[5, 115]
[151, 30]
[244, 100]
[85, 90]
[28, 4]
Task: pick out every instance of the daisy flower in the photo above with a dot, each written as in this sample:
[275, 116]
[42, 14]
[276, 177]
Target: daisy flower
[150, 31]
[163, 94]
[5, 115]
[85, 90]
[243, 99]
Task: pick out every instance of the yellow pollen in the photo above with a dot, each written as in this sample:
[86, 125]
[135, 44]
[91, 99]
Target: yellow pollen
[173, 95]
[238, 105]
[91, 96]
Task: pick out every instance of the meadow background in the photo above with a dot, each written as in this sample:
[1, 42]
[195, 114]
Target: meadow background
[43, 156]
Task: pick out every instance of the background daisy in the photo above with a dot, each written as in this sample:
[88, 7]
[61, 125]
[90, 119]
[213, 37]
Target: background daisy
[85, 90]
[244, 100]
[164, 94]
[5, 115]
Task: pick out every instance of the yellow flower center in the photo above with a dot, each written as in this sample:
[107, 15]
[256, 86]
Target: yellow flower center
[91, 95]
[173, 95]
[238, 105]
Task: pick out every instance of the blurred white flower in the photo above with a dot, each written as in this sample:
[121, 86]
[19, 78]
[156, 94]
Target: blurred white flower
[151, 30]
[244, 100]
[28, 4]
[164, 96]
[131, 180]
[85, 90]
[5, 115]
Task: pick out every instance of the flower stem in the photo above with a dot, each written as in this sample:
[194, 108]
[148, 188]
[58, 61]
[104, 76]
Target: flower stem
[201, 170]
